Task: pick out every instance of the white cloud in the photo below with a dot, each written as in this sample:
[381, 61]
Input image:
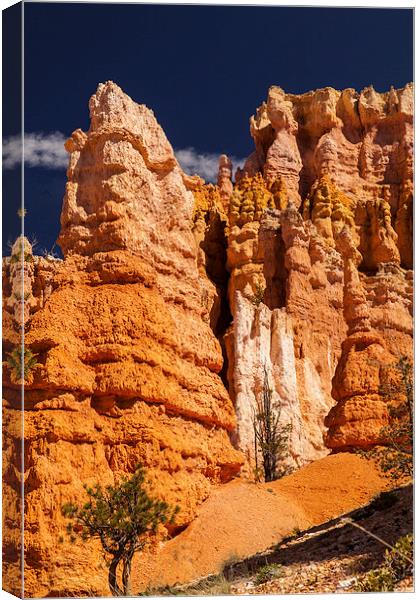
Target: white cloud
[41, 150]
[205, 164]
[46, 150]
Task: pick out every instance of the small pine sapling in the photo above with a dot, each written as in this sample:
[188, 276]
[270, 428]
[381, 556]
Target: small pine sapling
[271, 438]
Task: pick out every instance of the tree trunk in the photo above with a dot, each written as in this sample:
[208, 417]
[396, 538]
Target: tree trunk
[126, 575]
[112, 577]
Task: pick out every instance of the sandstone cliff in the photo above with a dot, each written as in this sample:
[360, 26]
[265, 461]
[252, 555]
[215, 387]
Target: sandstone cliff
[128, 364]
[151, 337]
[320, 231]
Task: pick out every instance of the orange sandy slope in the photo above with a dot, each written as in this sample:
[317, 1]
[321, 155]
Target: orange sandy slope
[242, 518]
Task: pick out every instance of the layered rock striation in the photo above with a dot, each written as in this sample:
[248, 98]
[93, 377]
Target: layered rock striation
[151, 341]
[320, 258]
[128, 363]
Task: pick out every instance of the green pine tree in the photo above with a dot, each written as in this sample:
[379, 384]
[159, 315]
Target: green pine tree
[122, 517]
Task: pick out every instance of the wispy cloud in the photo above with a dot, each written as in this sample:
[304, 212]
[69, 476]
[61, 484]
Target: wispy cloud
[205, 164]
[46, 150]
[41, 150]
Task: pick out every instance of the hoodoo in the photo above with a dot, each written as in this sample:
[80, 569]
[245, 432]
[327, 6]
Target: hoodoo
[176, 299]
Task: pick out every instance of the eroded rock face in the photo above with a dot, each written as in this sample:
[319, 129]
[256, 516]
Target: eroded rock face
[224, 179]
[286, 290]
[26, 282]
[320, 240]
[128, 363]
[175, 297]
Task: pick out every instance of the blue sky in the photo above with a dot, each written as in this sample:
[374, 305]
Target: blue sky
[202, 69]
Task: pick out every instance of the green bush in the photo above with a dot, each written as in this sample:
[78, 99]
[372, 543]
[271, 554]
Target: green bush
[377, 580]
[395, 458]
[267, 573]
[397, 565]
[21, 363]
[399, 560]
[258, 296]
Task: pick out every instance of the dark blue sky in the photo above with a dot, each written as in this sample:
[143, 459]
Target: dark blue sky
[202, 69]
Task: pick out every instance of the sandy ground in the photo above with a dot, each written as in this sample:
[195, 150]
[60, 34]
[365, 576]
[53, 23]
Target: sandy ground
[242, 518]
[331, 558]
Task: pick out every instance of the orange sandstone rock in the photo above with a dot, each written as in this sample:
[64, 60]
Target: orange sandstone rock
[330, 252]
[224, 179]
[172, 290]
[129, 363]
